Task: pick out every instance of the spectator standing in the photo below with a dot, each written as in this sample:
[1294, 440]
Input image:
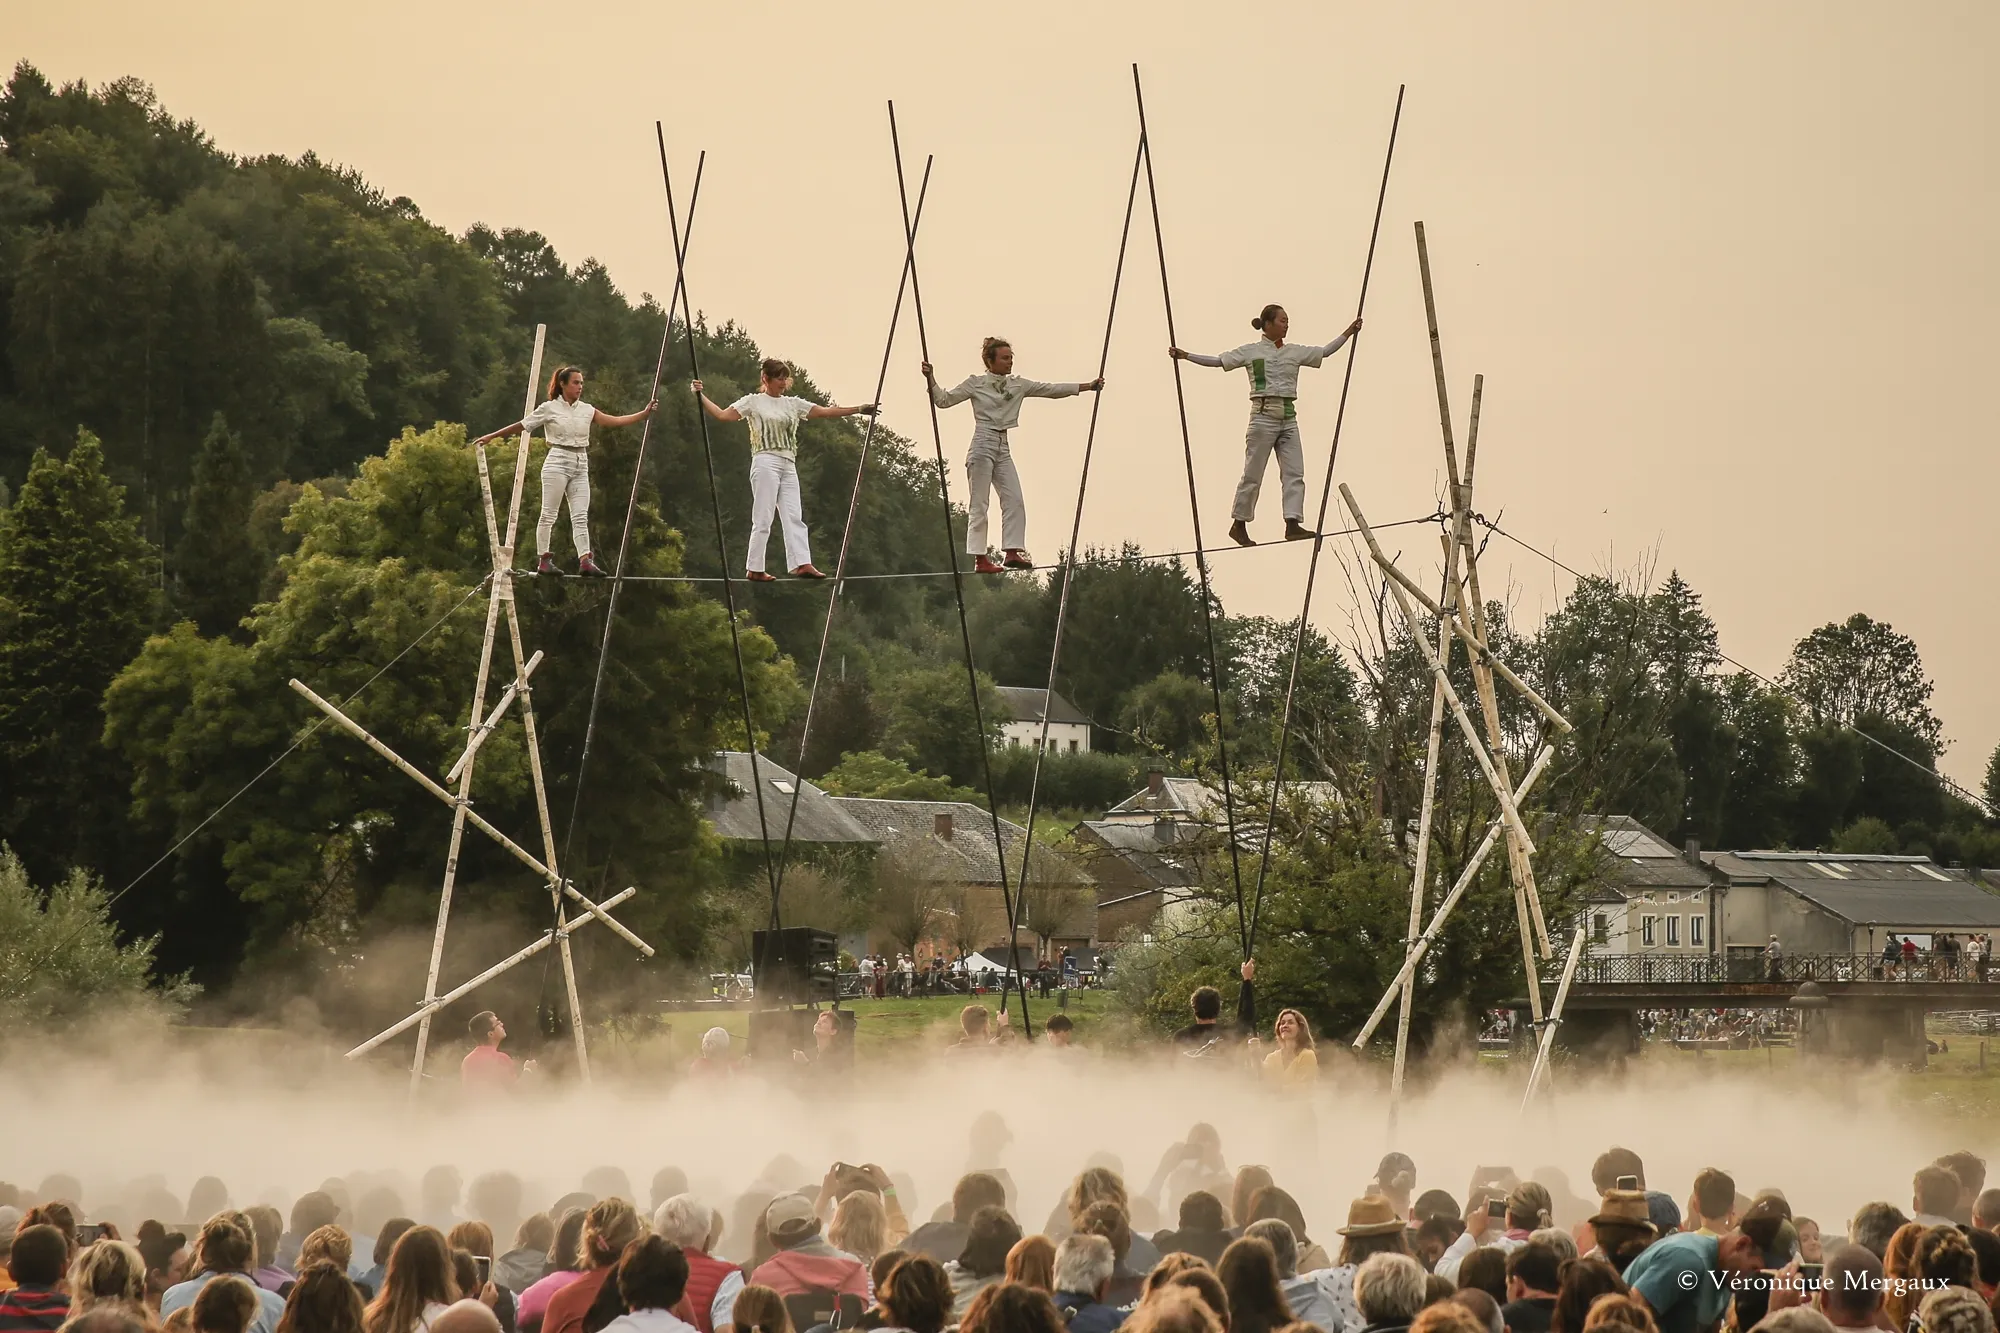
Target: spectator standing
[311, 1211]
[609, 1226]
[226, 1305]
[1581, 1283]
[37, 1301]
[225, 1248]
[1389, 1291]
[1684, 1279]
[1874, 1226]
[1203, 1229]
[1274, 1203]
[652, 1279]
[1524, 1208]
[1303, 1296]
[486, 1068]
[1249, 1275]
[1083, 1269]
[386, 1237]
[1372, 1228]
[108, 1273]
[1934, 1197]
[1532, 1285]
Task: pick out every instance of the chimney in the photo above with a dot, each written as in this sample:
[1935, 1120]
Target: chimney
[941, 824]
[1156, 781]
[1163, 830]
[1692, 852]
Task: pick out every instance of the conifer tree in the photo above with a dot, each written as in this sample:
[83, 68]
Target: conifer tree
[216, 565]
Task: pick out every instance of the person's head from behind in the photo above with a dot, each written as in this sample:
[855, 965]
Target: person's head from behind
[312, 1211]
[566, 383]
[609, 1226]
[917, 1295]
[974, 1191]
[1944, 1257]
[1175, 1309]
[1032, 1263]
[1935, 1191]
[224, 1245]
[322, 1301]
[1611, 1168]
[1172, 1264]
[1248, 1271]
[988, 1238]
[1095, 1184]
[972, 1021]
[1277, 1233]
[566, 1249]
[860, 1225]
[1558, 1240]
[1207, 1004]
[537, 1232]
[1389, 1288]
[1202, 1211]
[715, 1043]
[776, 376]
[108, 1319]
[225, 1305]
[109, 1272]
[1986, 1210]
[1986, 1250]
[475, 1238]
[421, 1273]
[1971, 1172]
[1204, 1283]
[1010, 1307]
[1448, 1316]
[39, 1256]
[998, 354]
[684, 1220]
[1084, 1265]
[1874, 1225]
[1580, 1282]
[1272, 322]
[1852, 1286]
[652, 1274]
[1110, 1221]
[1621, 1313]
[386, 1238]
[1483, 1308]
[1954, 1310]
[1715, 1197]
[760, 1309]
[1059, 1029]
[1274, 1203]
[1486, 1269]
[468, 1315]
[1532, 1272]
[267, 1226]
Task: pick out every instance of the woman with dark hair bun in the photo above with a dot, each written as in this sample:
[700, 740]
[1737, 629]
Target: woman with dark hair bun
[565, 420]
[1274, 366]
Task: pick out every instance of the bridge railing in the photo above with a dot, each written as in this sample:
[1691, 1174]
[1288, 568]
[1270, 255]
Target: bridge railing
[1657, 969]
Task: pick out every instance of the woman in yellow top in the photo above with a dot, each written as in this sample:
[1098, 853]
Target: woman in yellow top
[1294, 1062]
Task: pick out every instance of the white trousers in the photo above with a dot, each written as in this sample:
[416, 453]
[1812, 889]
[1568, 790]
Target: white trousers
[565, 476]
[774, 489]
[1267, 433]
[989, 465]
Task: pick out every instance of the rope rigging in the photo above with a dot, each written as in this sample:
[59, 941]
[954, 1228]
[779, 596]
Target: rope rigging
[1319, 540]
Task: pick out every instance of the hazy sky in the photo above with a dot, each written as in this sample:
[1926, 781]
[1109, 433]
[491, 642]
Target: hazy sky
[1727, 267]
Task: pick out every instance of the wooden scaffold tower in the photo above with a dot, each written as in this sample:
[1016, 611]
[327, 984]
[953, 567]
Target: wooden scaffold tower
[1459, 613]
[481, 723]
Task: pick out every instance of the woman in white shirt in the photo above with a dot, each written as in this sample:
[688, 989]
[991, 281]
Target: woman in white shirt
[996, 409]
[774, 419]
[1274, 389]
[565, 421]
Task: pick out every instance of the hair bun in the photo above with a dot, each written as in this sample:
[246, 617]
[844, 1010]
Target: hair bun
[1256, 321]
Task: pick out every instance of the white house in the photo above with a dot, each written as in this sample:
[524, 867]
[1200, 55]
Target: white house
[1650, 898]
[1069, 730]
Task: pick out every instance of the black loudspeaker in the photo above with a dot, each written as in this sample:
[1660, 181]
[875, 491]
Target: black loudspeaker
[776, 1033]
[796, 965]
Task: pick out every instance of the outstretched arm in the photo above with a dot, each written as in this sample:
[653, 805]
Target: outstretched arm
[820, 410]
[1341, 341]
[719, 413]
[943, 397]
[1037, 389]
[1199, 358]
[606, 419]
[500, 434]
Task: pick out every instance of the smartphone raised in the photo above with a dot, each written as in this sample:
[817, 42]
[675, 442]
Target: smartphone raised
[1628, 1182]
[89, 1233]
[1496, 1208]
[484, 1265]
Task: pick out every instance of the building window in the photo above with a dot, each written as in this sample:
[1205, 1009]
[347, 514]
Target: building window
[1673, 932]
[1072, 745]
[1600, 928]
[1647, 935]
[1697, 928]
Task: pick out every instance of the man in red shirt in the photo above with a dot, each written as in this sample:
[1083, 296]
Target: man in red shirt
[486, 1067]
[805, 1263]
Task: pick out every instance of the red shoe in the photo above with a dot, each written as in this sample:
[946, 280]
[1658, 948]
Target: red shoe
[759, 576]
[984, 564]
[587, 568]
[1018, 559]
[807, 572]
[547, 565]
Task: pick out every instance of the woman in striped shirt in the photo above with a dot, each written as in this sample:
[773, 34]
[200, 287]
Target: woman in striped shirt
[1274, 389]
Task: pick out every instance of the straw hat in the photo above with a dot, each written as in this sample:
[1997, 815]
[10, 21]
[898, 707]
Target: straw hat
[1627, 1208]
[1371, 1215]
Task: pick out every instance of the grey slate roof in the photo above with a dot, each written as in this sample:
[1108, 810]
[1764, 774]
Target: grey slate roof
[1898, 891]
[1025, 705]
[733, 811]
[1191, 798]
[1139, 847]
[970, 847]
[1638, 860]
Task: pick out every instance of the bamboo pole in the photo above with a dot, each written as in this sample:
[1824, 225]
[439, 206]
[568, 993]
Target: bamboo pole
[1554, 1020]
[521, 452]
[431, 1006]
[485, 729]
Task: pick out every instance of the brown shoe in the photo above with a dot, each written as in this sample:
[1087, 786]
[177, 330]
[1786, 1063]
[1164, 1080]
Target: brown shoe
[1018, 559]
[1240, 534]
[807, 572]
[1296, 531]
[985, 564]
[759, 576]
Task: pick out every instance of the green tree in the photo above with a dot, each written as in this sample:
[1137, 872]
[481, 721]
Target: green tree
[872, 773]
[61, 960]
[1169, 713]
[1993, 784]
[1862, 667]
[76, 599]
[931, 722]
[216, 566]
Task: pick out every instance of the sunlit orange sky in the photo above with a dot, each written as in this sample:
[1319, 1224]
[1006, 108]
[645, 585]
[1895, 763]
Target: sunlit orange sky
[1728, 268]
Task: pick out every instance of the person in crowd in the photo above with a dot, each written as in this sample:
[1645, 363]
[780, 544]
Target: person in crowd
[1199, 1278]
[323, 1300]
[804, 1262]
[1558, 1240]
[1389, 1290]
[565, 421]
[1249, 1180]
[983, 1262]
[1954, 1310]
[713, 1285]
[494, 1198]
[1874, 1225]
[860, 1226]
[110, 1319]
[38, 1259]
[1273, 1203]
[1483, 1308]
[1176, 1310]
[1060, 1031]
[1032, 1263]
[1373, 1227]
[226, 1305]
[1109, 1222]
[1203, 1229]
[226, 1247]
[1580, 1284]
[466, 1316]
[714, 1060]
[652, 1278]
[1986, 1251]
[312, 1210]
[1986, 1210]
[1303, 1296]
[207, 1197]
[1485, 1269]
[1450, 1316]
[609, 1226]
[945, 1241]
[1009, 1307]
[476, 1239]
[419, 1283]
[1711, 1209]
[1935, 1197]
[1102, 1184]
[1944, 1257]
[1684, 1279]
[166, 1254]
[1249, 1275]
[1532, 1286]
[563, 1265]
[1612, 1167]
[1206, 1031]
[774, 418]
[1622, 1227]
[1970, 1171]
[267, 1227]
[916, 1297]
[996, 399]
[527, 1259]
[668, 1181]
[1851, 1291]
[1294, 1062]
[760, 1308]
[386, 1237]
[1274, 389]
[1626, 1314]
[1526, 1207]
[1812, 1245]
[1082, 1279]
[1396, 1181]
[1899, 1264]
[107, 1273]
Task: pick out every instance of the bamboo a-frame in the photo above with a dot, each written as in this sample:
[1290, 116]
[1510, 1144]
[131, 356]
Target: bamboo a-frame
[1459, 613]
[480, 725]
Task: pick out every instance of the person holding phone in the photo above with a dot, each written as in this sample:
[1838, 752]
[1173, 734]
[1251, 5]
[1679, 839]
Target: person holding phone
[1501, 1219]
